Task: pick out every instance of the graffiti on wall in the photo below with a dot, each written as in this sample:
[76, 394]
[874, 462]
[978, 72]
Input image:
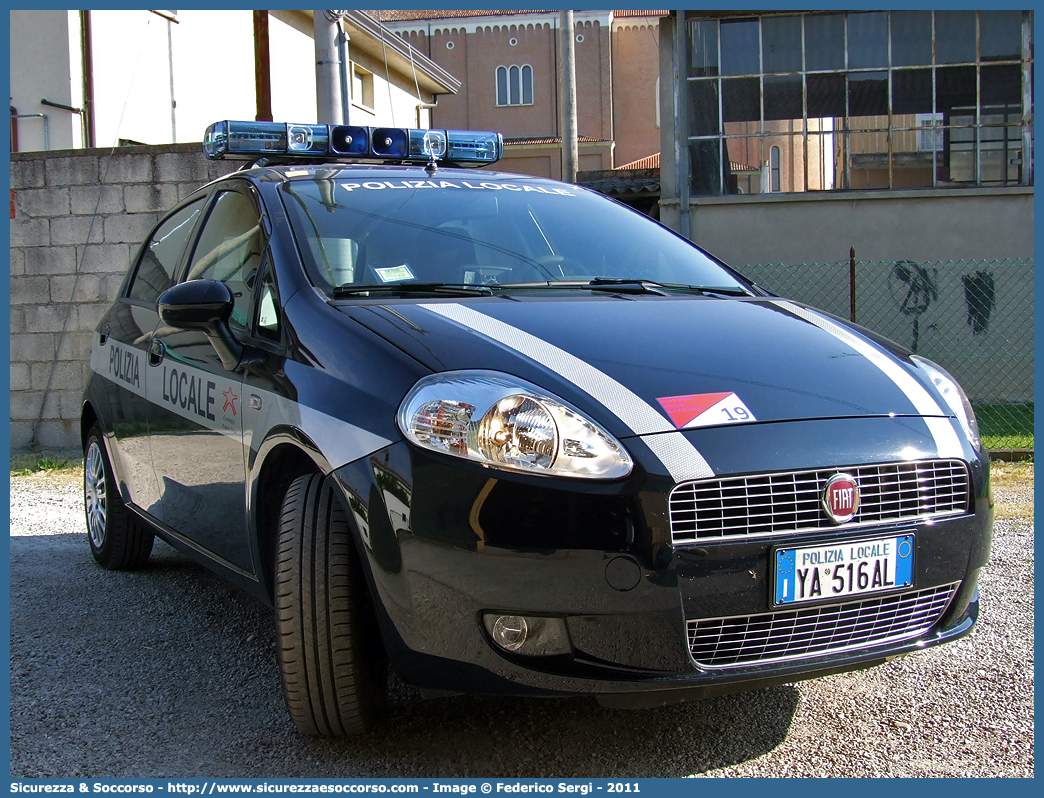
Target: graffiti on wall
[914, 288]
[979, 297]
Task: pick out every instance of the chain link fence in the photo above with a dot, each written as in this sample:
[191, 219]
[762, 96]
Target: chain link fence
[974, 318]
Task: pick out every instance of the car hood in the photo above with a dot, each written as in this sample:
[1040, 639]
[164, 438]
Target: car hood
[695, 361]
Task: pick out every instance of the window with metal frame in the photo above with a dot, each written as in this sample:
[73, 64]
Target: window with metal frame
[860, 100]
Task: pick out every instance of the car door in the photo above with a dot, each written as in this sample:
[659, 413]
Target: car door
[120, 352]
[196, 429]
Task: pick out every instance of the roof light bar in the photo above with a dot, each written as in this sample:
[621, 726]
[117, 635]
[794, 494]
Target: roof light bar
[229, 139]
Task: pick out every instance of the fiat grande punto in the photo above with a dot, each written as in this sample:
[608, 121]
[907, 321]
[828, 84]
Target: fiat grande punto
[506, 436]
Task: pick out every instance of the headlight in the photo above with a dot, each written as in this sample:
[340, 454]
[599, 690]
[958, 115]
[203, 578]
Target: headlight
[954, 395]
[504, 422]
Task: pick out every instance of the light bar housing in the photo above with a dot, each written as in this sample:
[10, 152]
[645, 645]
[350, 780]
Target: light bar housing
[252, 140]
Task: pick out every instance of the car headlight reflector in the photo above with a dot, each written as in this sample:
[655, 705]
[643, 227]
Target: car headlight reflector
[505, 422]
[519, 431]
[954, 395]
[443, 425]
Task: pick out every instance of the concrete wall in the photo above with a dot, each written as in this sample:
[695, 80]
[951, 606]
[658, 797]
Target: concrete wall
[925, 224]
[78, 219]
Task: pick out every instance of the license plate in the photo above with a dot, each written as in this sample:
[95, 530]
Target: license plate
[814, 573]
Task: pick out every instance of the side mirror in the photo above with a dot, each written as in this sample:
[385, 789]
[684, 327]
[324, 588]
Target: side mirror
[204, 305]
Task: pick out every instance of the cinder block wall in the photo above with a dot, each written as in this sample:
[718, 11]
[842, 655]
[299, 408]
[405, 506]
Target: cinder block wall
[77, 219]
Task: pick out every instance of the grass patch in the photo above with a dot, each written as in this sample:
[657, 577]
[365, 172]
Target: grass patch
[1012, 485]
[1005, 426]
[25, 464]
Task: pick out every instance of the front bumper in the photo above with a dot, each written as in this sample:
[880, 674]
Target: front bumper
[447, 542]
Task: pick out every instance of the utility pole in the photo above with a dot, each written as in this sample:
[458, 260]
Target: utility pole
[567, 91]
[262, 68]
[327, 68]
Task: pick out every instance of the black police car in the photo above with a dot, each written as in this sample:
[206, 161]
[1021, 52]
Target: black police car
[508, 436]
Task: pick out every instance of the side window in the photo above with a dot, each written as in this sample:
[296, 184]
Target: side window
[229, 250]
[160, 257]
[268, 308]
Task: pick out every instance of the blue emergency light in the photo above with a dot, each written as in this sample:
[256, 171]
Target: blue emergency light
[230, 139]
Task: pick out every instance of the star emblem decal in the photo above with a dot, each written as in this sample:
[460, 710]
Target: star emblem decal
[230, 401]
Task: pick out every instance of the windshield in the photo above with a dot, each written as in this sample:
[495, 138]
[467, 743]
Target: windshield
[456, 231]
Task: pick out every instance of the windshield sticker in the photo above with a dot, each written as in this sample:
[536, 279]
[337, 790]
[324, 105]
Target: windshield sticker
[380, 185]
[394, 274]
[706, 410]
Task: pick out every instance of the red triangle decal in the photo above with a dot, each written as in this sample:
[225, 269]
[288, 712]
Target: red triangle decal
[683, 409]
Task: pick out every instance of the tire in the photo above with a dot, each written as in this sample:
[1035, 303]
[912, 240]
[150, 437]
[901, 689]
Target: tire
[331, 661]
[118, 540]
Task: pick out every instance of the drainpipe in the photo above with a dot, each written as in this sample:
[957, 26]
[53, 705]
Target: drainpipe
[423, 106]
[327, 69]
[170, 68]
[681, 123]
[343, 54]
[14, 129]
[87, 48]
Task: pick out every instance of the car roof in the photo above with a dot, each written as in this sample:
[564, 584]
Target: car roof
[289, 172]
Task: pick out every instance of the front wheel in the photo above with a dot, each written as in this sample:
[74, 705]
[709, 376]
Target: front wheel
[331, 661]
[118, 540]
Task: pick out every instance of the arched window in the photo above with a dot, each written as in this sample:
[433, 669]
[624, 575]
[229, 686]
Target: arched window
[515, 85]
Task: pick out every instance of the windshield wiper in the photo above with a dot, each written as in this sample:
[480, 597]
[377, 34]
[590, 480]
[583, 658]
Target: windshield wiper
[664, 289]
[632, 285]
[625, 285]
[724, 290]
[452, 289]
[614, 284]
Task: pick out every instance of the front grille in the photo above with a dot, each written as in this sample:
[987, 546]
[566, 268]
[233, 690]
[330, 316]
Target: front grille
[769, 504]
[725, 642]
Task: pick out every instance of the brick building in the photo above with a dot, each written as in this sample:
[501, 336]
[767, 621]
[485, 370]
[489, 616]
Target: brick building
[507, 62]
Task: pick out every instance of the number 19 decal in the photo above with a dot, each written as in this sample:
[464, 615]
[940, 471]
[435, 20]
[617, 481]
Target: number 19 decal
[737, 413]
[706, 410]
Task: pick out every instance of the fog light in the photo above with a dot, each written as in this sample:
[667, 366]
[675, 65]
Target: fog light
[533, 636]
[509, 632]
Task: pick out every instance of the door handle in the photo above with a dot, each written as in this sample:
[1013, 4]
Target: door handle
[156, 352]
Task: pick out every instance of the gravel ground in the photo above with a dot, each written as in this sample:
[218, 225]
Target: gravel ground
[169, 672]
